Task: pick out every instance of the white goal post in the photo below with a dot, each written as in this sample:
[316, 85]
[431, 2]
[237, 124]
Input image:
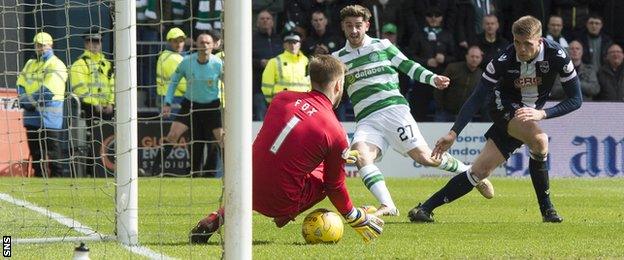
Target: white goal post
[127, 201]
[237, 128]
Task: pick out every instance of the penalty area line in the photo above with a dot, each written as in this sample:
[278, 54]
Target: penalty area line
[79, 227]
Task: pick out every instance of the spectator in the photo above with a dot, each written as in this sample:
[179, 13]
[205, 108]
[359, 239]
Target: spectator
[613, 14]
[276, 8]
[397, 12]
[297, 12]
[91, 79]
[201, 105]
[481, 9]
[331, 8]
[41, 89]
[266, 44]
[555, 25]
[585, 72]
[446, 8]
[464, 28]
[595, 43]
[490, 41]
[168, 61]
[208, 15]
[287, 71]
[611, 77]
[435, 48]
[505, 13]
[148, 33]
[321, 40]
[389, 31]
[464, 76]
[574, 14]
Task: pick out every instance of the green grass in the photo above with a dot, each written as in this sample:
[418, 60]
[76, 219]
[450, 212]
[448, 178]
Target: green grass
[507, 226]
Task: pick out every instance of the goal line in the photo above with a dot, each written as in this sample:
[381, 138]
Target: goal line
[90, 233]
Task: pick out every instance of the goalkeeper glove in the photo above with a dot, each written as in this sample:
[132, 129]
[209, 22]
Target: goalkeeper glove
[352, 156]
[367, 225]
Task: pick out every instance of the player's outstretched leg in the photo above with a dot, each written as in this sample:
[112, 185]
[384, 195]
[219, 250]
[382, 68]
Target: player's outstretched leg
[375, 183]
[457, 187]
[449, 163]
[538, 168]
[206, 227]
[373, 178]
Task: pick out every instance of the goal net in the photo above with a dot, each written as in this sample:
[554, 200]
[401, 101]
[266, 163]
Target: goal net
[84, 155]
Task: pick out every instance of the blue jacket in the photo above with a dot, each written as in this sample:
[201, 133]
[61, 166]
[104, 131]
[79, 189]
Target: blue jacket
[41, 89]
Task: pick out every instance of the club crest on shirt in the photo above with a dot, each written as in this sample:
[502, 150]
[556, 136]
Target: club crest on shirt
[502, 57]
[373, 56]
[544, 67]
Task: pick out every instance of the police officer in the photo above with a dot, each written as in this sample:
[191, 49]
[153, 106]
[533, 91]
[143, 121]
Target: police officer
[168, 61]
[41, 89]
[91, 79]
[287, 71]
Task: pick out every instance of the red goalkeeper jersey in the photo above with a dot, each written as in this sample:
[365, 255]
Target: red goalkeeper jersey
[300, 133]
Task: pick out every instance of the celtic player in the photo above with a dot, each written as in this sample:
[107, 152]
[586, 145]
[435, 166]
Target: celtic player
[382, 113]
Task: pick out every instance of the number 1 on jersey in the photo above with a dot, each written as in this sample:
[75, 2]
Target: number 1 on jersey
[285, 131]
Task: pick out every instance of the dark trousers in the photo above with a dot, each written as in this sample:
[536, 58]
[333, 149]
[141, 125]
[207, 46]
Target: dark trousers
[203, 119]
[93, 120]
[46, 151]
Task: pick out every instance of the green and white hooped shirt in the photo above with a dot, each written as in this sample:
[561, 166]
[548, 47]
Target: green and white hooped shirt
[372, 79]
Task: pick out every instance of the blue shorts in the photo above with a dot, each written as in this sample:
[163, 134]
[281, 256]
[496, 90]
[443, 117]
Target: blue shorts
[505, 143]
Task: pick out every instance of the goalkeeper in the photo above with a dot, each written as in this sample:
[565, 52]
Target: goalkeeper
[299, 156]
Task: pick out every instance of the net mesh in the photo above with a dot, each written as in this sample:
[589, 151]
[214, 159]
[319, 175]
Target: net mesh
[72, 197]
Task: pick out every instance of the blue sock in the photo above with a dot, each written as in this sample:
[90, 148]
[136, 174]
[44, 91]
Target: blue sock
[457, 187]
[539, 176]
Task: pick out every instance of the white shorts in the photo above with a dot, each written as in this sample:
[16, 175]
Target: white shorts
[391, 126]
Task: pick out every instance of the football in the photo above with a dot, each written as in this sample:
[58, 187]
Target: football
[322, 226]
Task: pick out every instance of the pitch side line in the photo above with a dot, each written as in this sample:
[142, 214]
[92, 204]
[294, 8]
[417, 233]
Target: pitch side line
[79, 227]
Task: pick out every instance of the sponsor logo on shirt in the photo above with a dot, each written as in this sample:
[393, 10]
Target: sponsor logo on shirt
[527, 82]
[367, 73]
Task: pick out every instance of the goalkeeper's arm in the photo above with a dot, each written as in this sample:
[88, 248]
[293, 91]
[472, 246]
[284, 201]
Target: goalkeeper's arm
[368, 226]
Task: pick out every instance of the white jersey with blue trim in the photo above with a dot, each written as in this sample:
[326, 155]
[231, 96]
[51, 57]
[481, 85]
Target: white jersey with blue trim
[528, 84]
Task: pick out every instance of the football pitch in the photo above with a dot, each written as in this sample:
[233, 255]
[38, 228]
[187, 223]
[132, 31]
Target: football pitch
[508, 226]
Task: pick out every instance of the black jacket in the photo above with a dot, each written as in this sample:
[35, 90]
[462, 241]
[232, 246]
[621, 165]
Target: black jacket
[611, 84]
[264, 47]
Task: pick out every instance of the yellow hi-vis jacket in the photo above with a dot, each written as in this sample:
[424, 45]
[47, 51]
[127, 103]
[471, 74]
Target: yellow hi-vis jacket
[287, 71]
[41, 88]
[92, 80]
[165, 67]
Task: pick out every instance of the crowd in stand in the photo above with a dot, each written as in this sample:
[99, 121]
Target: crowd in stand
[439, 35]
[436, 33]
